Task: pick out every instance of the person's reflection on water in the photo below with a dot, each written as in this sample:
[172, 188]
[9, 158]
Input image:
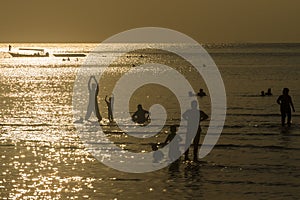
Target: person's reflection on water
[174, 168]
[93, 102]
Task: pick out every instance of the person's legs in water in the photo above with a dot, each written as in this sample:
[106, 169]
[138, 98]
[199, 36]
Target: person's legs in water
[89, 112]
[97, 113]
[289, 118]
[283, 116]
[186, 155]
[196, 144]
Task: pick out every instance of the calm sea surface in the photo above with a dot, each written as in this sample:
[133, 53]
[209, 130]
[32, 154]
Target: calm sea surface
[42, 156]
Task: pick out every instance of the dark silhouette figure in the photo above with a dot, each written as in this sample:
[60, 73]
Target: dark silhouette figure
[140, 116]
[189, 115]
[262, 94]
[109, 104]
[201, 93]
[9, 47]
[93, 102]
[157, 155]
[285, 102]
[269, 93]
[174, 152]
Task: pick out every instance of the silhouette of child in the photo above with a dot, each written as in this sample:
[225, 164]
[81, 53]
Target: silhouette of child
[285, 102]
[174, 140]
[157, 155]
[262, 94]
[140, 116]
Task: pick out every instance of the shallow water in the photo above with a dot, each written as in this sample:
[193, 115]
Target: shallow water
[42, 156]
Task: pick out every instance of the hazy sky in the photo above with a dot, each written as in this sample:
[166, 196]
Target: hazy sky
[95, 20]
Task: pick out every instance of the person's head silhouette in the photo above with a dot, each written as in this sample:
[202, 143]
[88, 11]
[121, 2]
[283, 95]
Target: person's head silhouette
[285, 91]
[139, 107]
[194, 104]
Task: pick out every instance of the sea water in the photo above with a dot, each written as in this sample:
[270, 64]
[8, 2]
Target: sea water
[42, 156]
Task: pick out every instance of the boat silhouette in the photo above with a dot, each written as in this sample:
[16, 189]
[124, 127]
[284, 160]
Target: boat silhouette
[29, 52]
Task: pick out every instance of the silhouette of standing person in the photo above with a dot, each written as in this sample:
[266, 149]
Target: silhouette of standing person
[109, 104]
[174, 140]
[285, 102]
[190, 115]
[9, 47]
[93, 102]
[140, 116]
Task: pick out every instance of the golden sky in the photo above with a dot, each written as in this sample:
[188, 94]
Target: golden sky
[95, 20]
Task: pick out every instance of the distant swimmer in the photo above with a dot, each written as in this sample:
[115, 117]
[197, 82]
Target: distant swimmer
[285, 102]
[201, 93]
[269, 93]
[140, 116]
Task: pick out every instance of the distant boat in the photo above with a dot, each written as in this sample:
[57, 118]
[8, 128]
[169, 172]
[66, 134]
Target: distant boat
[69, 55]
[29, 52]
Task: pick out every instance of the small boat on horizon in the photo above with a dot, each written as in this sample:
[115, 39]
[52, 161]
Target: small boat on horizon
[69, 55]
[29, 52]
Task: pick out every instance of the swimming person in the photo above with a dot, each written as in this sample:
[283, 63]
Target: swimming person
[269, 92]
[201, 93]
[140, 116]
[190, 115]
[174, 140]
[285, 102]
[109, 104]
[93, 102]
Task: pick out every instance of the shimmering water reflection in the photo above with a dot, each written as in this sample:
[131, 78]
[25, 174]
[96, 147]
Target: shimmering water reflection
[42, 157]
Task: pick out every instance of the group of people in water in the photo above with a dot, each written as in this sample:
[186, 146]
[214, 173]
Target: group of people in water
[142, 116]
